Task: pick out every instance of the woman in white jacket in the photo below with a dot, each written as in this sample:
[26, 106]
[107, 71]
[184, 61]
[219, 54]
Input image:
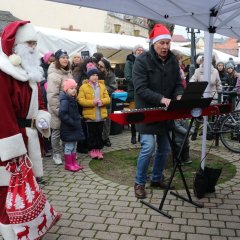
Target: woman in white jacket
[214, 86]
[58, 72]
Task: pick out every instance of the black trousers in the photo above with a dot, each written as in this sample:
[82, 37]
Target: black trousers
[95, 130]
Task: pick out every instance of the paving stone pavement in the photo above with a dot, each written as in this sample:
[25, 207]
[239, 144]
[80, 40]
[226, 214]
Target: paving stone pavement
[95, 208]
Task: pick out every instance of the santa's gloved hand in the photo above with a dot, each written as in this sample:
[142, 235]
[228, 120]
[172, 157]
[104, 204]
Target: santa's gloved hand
[42, 124]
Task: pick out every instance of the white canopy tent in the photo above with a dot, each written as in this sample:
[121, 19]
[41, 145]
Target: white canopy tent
[211, 16]
[115, 47]
[221, 16]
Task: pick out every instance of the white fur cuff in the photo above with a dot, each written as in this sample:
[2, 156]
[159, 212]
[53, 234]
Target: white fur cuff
[5, 176]
[12, 147]
[47, 117]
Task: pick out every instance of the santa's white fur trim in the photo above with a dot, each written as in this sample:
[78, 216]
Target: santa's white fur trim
[26, 33]
[47, 117]
[16, 72]
[160, 37]
[34, 151]
[15, 59]
[7, 231]
[12, 147]
[5, 177]
[33, 108]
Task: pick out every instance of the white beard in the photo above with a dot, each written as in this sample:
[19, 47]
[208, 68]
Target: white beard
[30, 61]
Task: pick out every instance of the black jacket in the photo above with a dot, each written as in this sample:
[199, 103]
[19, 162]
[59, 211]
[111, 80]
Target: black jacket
[71, 123]
[153, 80]
[128, 75]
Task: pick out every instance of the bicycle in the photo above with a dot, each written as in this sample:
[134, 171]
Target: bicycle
[226, 127]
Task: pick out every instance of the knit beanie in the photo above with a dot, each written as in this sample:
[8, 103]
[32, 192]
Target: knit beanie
[97, 57]
[229, 65]
[60, 53]
[159, 32]
[137, 47]
[91, 69]
[47, 56]
[69, 83]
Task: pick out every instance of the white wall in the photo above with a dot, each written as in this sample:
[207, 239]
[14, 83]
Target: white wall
[56, 15]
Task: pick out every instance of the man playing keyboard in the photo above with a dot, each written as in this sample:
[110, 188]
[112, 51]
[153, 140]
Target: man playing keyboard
[156, 79]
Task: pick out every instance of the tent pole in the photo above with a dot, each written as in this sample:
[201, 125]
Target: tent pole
[208, 46]
[193, 52]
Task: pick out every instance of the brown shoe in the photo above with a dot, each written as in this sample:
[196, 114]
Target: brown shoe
[139, 191]
[161, 185]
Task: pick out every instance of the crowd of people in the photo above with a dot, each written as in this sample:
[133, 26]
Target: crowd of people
[63, 104]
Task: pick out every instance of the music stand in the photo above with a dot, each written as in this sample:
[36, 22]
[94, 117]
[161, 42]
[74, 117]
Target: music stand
[194, 103]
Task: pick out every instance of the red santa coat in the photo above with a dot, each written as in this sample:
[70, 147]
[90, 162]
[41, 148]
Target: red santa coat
[19, 98]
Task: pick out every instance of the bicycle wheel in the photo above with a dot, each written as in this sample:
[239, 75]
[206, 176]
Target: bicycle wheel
[230, 131]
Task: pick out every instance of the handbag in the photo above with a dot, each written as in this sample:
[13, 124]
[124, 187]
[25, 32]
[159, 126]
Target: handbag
[205, 181]
[29, 212]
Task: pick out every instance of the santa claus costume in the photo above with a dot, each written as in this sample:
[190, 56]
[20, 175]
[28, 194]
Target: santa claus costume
[23, 117]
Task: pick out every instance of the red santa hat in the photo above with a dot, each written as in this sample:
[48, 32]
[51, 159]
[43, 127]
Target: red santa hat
[159, 32]
[15, 33]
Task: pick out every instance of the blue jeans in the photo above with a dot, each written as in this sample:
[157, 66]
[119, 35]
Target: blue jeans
[161, 155]
[70, 147]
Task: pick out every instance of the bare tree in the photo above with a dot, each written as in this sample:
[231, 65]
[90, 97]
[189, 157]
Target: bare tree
[151, 24]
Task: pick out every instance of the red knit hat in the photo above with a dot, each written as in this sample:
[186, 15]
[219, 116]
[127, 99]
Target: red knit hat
[159, 32]
[16, 32]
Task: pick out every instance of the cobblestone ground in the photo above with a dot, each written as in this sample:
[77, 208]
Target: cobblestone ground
[95, 208]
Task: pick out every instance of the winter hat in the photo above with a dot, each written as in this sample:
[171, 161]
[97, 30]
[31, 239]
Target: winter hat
[159, 32]
[91, 69]
[17, 32]
[136, 48]
[97, 57]
[47, 56]
[60, 53]
[69, 83]
[229, 65]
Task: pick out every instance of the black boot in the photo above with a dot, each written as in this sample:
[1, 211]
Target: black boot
[194, 136]
[107, 142]
[185, 156]
[133, 140]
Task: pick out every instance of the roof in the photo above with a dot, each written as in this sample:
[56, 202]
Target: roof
[6, 18]
[179, 38]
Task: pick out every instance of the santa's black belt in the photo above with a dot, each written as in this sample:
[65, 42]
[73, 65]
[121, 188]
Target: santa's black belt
[23, 123]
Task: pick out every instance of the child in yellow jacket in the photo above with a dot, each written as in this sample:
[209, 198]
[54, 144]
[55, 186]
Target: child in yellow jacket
[94, 98]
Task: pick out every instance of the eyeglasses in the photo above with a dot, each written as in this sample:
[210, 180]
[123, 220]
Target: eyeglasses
[32, 43]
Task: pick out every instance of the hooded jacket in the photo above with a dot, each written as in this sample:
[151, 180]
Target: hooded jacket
[71, 123]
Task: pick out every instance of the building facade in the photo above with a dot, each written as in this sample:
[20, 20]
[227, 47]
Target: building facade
[74, 18]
